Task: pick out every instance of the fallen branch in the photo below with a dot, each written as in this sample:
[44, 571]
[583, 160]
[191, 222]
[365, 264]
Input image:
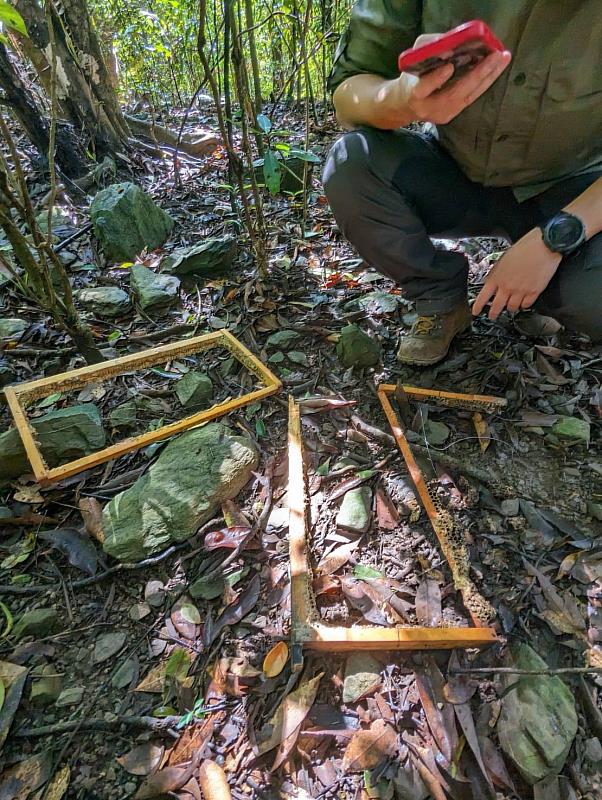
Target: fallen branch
[513, 671]
[192, 145]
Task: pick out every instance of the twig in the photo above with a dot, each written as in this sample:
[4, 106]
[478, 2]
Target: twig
[74, 236]
[513, 671]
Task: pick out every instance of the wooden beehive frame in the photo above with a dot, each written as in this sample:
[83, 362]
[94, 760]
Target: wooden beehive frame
[307, 631]
[21, 395]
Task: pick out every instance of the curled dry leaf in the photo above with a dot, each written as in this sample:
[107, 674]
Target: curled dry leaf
[91, 512]
[213, 782]
[275, 660]
[142, 760]
[313, 405]
[336, 558]
[369, 747]
[482, 429]
[229, 538]
[167, 780]
[428, 603]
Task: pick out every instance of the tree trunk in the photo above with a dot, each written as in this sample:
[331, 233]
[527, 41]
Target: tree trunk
[250, 22]
[33, 120]
[85, 93]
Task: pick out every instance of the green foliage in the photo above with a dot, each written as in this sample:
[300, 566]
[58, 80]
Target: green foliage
[10, 18]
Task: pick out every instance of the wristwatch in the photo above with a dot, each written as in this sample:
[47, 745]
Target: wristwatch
[563, 233]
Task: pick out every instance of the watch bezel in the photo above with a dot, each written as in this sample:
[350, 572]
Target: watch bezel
[556, 247]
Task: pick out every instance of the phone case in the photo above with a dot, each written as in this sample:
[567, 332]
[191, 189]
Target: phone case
[463, 46]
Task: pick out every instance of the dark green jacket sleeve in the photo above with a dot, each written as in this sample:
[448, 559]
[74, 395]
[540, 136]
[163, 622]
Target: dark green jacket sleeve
[378, 31]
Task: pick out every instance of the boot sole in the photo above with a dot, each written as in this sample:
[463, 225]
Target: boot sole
[428, 362]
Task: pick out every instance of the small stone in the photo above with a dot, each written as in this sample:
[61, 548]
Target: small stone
[185, 486]
[355, 513]
[126, 674]
[139, 611]
[39, 622]
[130, 787]
[12, 328]
[71, 696]
[282, 338]
[106, 301]
[362, 676]
[154, 593]
[436, 432]
[195, 390]
[510, 508]
[573, 428]
[210, 259]
[207, 590]
[108, 645]
[45, 687]
[538, 721]
[152, 290]
[595, 510]
[356, 349]
[126, 415]
[593, 750]
[62, 435]
[126, 221]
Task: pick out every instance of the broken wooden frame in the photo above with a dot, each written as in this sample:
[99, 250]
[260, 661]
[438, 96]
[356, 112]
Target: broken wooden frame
[21, 395]
[307, 630]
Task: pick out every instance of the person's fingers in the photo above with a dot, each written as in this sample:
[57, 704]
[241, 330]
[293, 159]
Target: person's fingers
[433, 81]
[498, 304]
[472, 85]
[528, 300]
[483, 297]
[515, 302]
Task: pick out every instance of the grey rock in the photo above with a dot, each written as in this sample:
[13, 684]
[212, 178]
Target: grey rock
[152, 290]
[71, 696]
[126, 415]
[63, 435]
[538, 721]
[39, 622]
[210, 259]
[106, 301]
[436, 432]
[12, 328]
[194, 474]
[45, 687]
[195, 390]
[108, 645]
[362, 674]
[356, 349]
[510, 508]
[355, 513]
[126, 221]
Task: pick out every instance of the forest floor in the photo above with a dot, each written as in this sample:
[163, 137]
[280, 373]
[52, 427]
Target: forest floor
[529, 505]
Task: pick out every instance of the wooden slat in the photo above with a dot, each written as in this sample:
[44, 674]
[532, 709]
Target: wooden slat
[327, 637]
[33, 390]
[435, 394]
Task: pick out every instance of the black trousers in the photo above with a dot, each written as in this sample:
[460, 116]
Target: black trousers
[392, 191]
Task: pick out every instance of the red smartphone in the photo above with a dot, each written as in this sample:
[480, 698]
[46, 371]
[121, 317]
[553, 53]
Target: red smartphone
[463, 47]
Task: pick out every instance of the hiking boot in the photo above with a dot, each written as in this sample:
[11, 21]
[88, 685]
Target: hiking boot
[430, 336]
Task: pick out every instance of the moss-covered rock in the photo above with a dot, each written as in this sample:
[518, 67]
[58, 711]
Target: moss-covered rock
[210, 259]
[39, 622]
[106, 301]
[538, 721]
[126, 221]
[356, 349]
[153, 290]
[195, 390]
[63, 435]
[194, 474]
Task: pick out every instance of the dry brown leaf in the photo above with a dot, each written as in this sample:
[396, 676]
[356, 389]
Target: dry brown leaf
[59, 784]
[369, 747]
[167, 780]
[142, 760]
[482, 429]
[26, 776]
[154, 681]
[91, 512]
[213, 782]
[290, 714]
[428, 603]
[387, 514]
[275, 660]
[563, 612]
[336, 558]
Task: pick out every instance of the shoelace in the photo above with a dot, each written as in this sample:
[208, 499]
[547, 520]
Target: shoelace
[425, 325]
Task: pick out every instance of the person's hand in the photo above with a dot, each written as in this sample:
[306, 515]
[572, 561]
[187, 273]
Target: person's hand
[519, 277]
[427, 98]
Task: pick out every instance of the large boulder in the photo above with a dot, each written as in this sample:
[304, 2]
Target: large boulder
[194, 474]
[152, 290]
[126, 221]
[63, 435]
[210, 259]
[106, 301]
[538, 721]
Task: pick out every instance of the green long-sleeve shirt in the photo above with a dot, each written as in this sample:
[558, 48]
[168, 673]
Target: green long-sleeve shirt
[542, 119]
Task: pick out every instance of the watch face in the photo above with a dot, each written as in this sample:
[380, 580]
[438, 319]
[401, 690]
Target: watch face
[564, 232]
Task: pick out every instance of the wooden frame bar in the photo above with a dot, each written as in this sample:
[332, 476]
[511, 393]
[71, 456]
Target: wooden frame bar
[307, 631]
[21, 395]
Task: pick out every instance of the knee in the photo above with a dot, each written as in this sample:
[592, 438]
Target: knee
[347, 164]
